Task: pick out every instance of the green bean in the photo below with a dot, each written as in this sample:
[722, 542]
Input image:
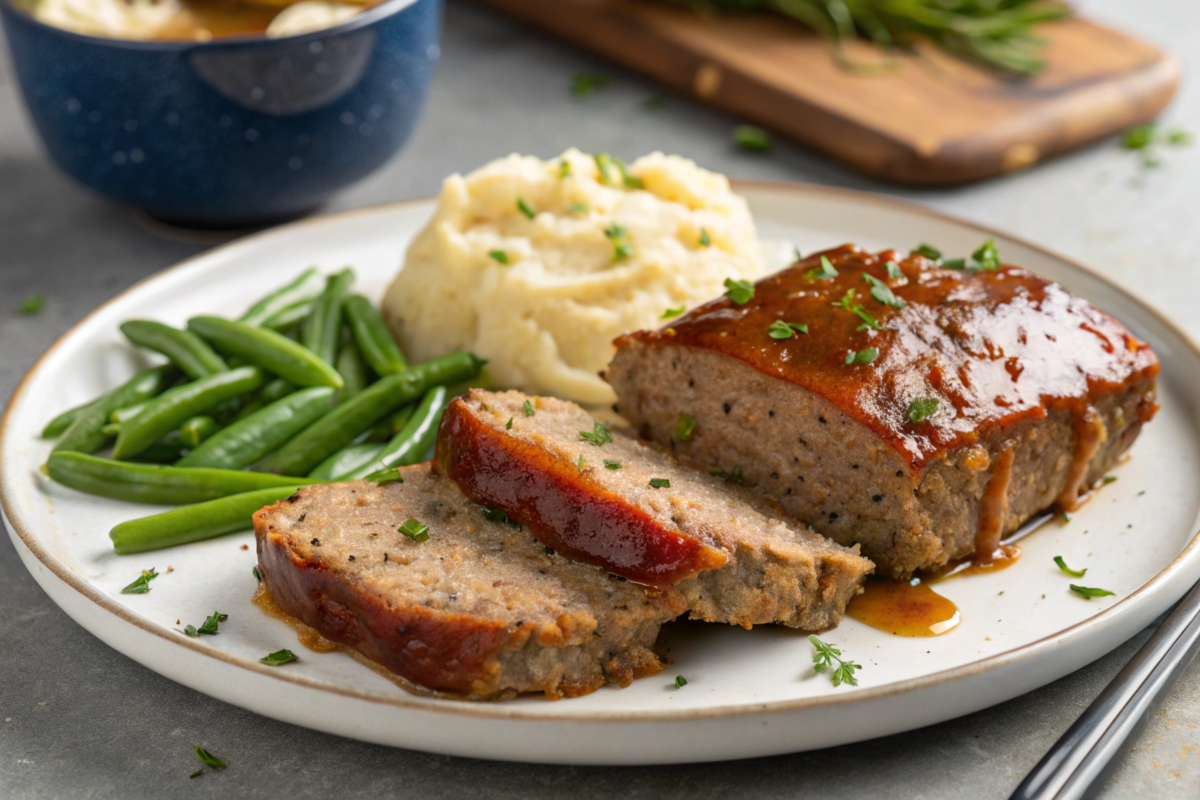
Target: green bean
[120, 415]
[84, 435]
[141, 483]
[252, 438]
[185, 349]
[339, 427]
[166, 450]
[288, 318]
[195, 522]
[111, 429]
[352, 369]
[324, 323]
[267, 349]
[197, 429]
[308, 285]
[371, 334]
[168, 411]
[276, 389]
[63, 421]
[411, 444]
[345, 460]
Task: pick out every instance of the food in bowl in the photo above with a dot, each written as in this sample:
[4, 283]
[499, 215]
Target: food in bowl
[200, 20]
[538, 265]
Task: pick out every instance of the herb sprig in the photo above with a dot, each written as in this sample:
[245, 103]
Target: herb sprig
[598, 436]
[824, 659]
[141, 584]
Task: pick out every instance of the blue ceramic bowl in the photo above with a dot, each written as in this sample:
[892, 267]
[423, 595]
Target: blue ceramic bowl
[236, 131]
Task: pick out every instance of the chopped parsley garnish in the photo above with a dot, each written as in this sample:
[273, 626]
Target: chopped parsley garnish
[654, 102]
[141, 584]
[279, 657]
[385, 476]
[33, 304]
[508, 425]
[823, 272]
[673, 312]
[752, 139]
[613, 172]
[208, 759]
[685, 427]
[825, 656]
[864, 356]
[927, 250]
[529, 412]
[622, 249]
[209, 628]
[612, 464]
[1143, 138]
[414, 530]
[883, 293]
[893, 270]
[496, 515]
[705, 239]
[986, 258]
[1109, 479]
[1065, 516]
[847, 302]
[660, 483]
[1074, 573]
[564, 169]
[785, 330]
[525, 208]
[734, 476]
[577, 208]
[922, 409]
[1088, 593]
[580, 464]
[739, 291]
[196, 774]
[257, 575]
[680, 681]
[599, 435]
[499, 256]
[585, 83]
[796, 254]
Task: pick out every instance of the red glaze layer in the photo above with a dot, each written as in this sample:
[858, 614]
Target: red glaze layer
[435, 649]
[994, 347]
[562, 507]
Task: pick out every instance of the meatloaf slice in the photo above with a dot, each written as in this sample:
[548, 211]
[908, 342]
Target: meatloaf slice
[919, 411]
[480, 608]
[631, 508]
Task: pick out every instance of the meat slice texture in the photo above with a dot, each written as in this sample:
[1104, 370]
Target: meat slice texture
[605, 498]
[479, 608]
[921, 412]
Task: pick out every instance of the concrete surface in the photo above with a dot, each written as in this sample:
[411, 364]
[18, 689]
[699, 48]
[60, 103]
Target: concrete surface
[79, 720]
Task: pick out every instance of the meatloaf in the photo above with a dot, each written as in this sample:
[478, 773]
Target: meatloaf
[631, 508]
[919, 411]
[479, 608]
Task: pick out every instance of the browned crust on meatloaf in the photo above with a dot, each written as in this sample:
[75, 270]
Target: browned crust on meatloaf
[708, 539]
[549, 625]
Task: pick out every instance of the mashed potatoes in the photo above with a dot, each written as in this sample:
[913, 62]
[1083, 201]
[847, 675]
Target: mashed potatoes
[538, 265]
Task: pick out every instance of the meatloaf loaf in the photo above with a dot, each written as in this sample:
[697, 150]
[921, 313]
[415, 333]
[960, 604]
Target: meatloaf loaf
[885, 400]
[479, 608]
[631, 508]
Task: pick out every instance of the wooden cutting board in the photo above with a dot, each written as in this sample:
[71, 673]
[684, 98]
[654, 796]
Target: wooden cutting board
[930, 120]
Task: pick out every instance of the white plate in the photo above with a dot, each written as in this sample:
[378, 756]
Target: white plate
[749, 693]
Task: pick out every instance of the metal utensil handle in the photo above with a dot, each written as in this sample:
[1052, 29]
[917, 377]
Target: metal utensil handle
[1080, 762]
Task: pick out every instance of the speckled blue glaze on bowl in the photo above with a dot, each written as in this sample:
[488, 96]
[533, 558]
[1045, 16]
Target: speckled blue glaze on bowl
[236, 131]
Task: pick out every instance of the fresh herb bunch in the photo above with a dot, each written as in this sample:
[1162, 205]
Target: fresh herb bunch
[996, 34]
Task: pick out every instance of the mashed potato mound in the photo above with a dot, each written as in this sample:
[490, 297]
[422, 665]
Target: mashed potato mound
[522, 264]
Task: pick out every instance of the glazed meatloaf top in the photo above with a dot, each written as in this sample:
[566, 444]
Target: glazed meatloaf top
[633, 509]
[928, 358]
[478, 608]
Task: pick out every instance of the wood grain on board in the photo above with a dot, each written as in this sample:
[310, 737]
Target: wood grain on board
[929, 119]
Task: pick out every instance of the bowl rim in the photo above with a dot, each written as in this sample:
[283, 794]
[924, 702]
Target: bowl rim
[386, 8]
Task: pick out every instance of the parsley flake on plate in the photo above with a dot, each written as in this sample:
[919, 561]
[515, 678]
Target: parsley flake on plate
[622, 248]
[1074, 573]
[922, 409]
[785, 330]
[673, 312]
[278, 658]
[584, 84]
[499, 256]
[525, 208]
[33, 304]
[612, 464]
[927, 250]
[823, 272]
[208, 759]
[705, 239]
[660, 483]
[209, 628]
[599, 435]
[529, 412]
[385, 476]
[824, 659]
[847, 303]
[752, 139]
[414, 530]
[883, 293]
[141, 584]
[680, 681]
[864, 356]
[508, 425]
[893, 270]
[739, 291]
[1088, 593]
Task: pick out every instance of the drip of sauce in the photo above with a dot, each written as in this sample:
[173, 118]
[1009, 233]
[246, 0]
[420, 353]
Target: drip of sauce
[993, 508]
[1090, 433]
[1002, 557]
[903, 608]
[308, 636]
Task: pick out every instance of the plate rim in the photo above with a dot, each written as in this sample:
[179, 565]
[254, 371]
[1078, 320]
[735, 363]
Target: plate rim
[523, 714]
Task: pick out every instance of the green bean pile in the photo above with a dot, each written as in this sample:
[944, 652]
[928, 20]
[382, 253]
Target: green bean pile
[306, 387]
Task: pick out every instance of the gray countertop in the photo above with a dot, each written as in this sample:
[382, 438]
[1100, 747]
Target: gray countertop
[80, 720]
